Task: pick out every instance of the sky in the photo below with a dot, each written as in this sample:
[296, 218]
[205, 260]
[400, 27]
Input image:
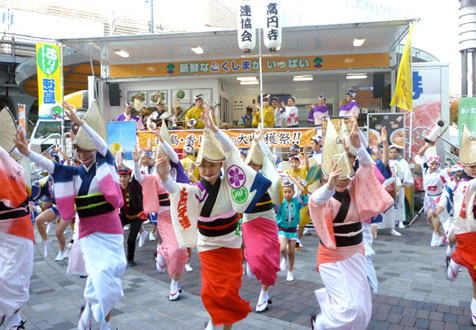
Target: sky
[436, 32]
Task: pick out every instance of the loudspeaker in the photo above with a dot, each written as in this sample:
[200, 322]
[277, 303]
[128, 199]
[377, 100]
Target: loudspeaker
[379, 84]
[114, 95]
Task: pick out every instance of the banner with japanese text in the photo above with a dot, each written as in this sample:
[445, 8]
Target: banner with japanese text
[467, 115]
[242, 138]
[248, 65]
[22, 120]
[48, 65]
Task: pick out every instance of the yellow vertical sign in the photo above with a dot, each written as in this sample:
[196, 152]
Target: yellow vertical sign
[403, 96]
[48, 65]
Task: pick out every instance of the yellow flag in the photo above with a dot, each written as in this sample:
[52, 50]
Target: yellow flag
[403, 90]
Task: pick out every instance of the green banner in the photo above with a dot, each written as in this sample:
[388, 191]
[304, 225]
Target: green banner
[467, 115]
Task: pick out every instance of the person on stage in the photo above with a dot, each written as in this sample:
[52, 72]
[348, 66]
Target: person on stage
[317, 112]
[349, 106]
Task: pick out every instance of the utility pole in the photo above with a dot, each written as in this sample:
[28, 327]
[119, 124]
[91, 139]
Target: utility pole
[151, 22]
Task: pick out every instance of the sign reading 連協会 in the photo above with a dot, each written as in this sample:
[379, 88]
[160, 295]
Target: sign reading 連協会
[48, 64]
[246, 28]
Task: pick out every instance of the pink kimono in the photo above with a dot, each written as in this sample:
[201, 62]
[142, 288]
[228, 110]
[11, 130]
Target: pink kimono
[176, 258]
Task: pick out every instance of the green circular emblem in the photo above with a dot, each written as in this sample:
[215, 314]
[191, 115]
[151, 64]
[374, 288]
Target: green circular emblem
[180, 94]
[48, 59]
[239, 195]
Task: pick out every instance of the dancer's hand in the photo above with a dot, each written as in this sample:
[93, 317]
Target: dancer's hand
[207, 119]
[383, 135]
[163, 168]
[21, 143]
[333, 179]
[68, 110]
[354, 136]
[258, 135]
[135, 154]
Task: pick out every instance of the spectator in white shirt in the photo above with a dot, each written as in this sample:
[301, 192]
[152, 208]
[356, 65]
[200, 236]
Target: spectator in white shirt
[279, 116]
[291, 114]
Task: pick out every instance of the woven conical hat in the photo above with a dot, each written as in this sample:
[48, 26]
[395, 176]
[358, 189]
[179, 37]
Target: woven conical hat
[344, 134]
[467, 153]
[165, 115]
[94, 119]
[164, 134]
[210, 148]
[138, 105]
[255, 154]
[8, 130]
[175, 102]
[159, 101]
[334, 152]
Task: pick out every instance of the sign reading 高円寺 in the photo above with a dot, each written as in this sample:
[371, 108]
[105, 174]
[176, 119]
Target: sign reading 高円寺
[248, 65]
[241, 138]
[48, 64]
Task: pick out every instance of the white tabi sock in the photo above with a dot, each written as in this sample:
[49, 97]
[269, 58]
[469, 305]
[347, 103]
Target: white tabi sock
[211, 326]
[12, 320]
[174, 285]
[453, 270]
[263, 296]
[85, 318]
[473, 311]
[317, 322]
[105, 326]
[449, 251]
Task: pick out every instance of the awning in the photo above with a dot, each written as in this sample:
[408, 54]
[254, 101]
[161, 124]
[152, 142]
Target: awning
[380, 37]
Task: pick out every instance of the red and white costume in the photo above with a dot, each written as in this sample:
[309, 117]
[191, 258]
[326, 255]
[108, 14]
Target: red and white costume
[434, 182]
[16, 238]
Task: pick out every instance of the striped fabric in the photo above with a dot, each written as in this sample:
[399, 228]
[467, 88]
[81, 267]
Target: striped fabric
[107, 178]
[13, 194]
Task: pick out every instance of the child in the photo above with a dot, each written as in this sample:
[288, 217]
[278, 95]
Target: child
[444, 211]
[434, 180]
[299, 173]
[288, 216]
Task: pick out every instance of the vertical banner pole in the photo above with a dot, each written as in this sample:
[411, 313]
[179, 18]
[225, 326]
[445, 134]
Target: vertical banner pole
[63, 139]
[410, 138]
[260, 77]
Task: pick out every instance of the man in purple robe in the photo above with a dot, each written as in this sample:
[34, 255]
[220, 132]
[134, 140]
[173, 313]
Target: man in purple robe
[318, 112]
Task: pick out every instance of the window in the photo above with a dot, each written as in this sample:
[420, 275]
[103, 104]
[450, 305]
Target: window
[46, 128]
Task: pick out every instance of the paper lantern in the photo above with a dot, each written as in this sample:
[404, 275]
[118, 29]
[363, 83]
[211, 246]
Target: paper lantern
[272, 27]
[246, 26]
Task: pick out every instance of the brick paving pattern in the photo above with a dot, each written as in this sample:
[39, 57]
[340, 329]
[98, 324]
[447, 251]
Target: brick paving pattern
[413, 291]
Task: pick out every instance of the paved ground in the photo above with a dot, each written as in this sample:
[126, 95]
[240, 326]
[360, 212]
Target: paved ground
[413, 292]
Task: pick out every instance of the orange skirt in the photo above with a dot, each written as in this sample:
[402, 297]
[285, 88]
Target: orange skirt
[465, 252]
[221, 281]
